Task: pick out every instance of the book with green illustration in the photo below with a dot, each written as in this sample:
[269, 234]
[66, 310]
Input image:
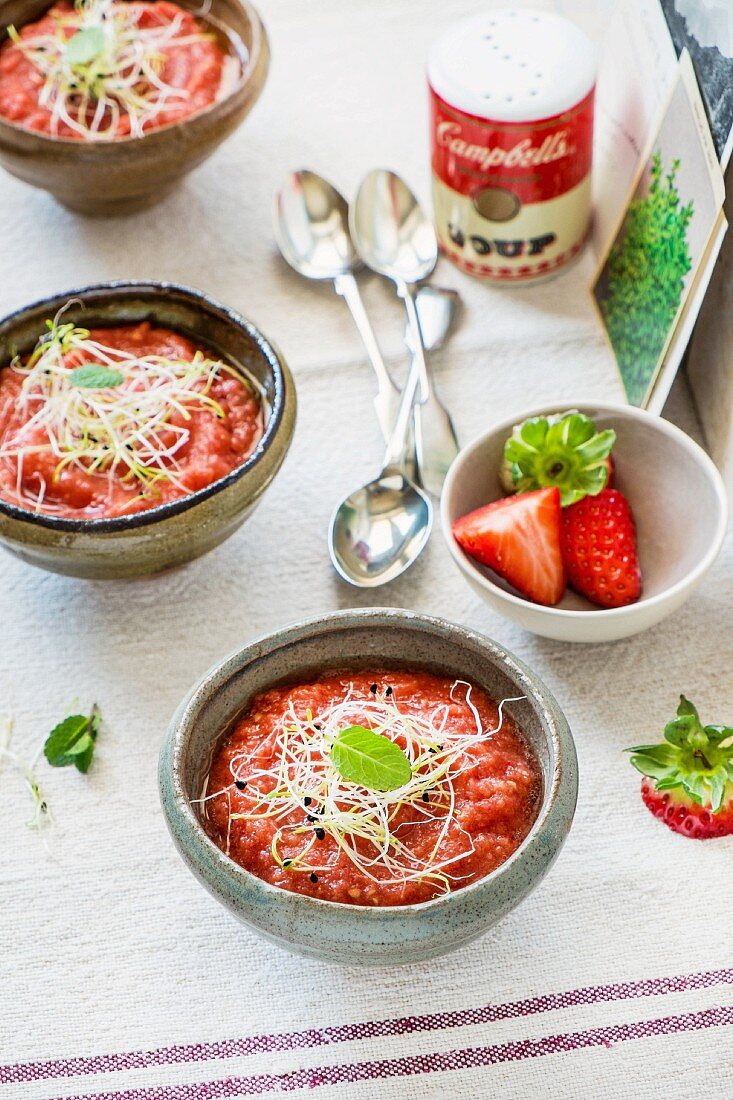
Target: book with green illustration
[662, 242]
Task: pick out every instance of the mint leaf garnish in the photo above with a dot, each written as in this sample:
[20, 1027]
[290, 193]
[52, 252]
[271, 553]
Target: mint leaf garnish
[370, 759]
[72, 741]
[84, 46]
[94, 376]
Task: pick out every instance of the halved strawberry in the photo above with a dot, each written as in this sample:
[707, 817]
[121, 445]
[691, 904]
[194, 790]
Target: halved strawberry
[599, 549]
[688, 780]
[519, 538]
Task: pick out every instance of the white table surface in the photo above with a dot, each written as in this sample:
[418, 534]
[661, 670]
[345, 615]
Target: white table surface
[119, 976]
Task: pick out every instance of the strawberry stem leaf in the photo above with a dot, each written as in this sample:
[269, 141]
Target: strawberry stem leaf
[564, 451]
[695, 758]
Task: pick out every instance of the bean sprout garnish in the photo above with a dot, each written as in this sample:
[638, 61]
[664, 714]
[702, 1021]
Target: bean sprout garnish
[99, 65]
[370, 827]
[131, 429]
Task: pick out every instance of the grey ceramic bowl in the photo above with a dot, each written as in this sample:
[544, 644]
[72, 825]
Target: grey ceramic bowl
[173, 533]
[664, 474]
[129, 174]
[353, 934]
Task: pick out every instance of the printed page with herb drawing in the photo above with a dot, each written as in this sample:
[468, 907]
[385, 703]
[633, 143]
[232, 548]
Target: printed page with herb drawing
[660, 246]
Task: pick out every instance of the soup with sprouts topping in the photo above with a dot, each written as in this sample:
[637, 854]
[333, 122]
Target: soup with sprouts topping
[98, 70]
[108, 422]
[372, 788]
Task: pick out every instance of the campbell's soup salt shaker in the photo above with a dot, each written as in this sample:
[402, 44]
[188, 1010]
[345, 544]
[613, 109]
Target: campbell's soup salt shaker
[512, 135]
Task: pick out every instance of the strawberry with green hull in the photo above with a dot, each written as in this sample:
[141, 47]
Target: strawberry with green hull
[519, 538]
[563, 520]
[688, 778]
[599, 549]
[564, 451]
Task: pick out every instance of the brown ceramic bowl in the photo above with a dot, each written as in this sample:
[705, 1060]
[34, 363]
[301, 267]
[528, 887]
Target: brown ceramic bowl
[129, 174]
[180, 530]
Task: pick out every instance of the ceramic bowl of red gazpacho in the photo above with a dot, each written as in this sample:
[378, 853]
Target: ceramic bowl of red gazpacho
[140, 423]
[109, 104]
[373, 787]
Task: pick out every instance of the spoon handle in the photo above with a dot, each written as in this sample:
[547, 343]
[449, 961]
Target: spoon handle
[436, 443]
[400, 447]
[387, 397]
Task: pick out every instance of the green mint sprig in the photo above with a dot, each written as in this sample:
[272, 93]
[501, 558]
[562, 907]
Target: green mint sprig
[72, 741]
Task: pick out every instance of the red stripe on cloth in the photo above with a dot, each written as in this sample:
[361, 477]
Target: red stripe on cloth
[439, 1062]
[14, 1073]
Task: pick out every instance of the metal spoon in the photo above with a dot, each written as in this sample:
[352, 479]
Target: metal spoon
[311, 225]
[378, 531]
[395, 238]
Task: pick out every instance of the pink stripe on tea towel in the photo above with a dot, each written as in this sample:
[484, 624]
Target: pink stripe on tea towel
[439, 1062]
[341, 1033]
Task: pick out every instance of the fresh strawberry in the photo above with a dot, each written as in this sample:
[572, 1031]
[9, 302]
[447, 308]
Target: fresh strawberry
[564, 450]
[519, 538]
[599, 549]
[688, 780]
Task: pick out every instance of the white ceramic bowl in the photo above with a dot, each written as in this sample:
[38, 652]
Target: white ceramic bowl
[679, 503]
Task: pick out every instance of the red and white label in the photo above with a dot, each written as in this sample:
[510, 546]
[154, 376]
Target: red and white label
[512, 199]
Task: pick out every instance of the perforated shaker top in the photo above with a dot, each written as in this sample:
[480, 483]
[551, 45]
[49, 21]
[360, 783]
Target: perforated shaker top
[513, 65]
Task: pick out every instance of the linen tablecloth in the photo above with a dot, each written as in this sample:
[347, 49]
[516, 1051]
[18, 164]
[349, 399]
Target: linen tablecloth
[119, 976]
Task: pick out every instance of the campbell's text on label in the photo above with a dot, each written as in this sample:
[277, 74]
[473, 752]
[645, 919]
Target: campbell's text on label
[511, 199]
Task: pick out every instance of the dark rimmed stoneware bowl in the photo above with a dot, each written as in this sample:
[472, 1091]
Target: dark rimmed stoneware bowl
[118, 177]
[352, 934]
[173, 533]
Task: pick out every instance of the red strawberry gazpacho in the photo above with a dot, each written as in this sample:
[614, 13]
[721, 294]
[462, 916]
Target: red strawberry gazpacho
[372, 788]
[104, 69]
[103, 423]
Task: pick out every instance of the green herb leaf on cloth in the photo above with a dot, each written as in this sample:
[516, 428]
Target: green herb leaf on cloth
[72, 741]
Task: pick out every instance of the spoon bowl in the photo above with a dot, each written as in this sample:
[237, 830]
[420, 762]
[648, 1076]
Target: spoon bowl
[379, 530]
[392, 232]
[311, 225]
